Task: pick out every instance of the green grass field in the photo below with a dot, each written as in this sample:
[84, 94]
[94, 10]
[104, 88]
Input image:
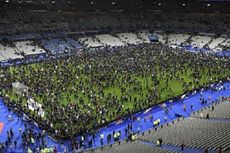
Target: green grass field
[106, 86]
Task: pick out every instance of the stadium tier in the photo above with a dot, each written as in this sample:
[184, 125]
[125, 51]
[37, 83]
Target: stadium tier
[114, 76]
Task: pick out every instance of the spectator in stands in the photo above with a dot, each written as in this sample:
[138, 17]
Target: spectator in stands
[158, 143]
[2, 147]
[184, 106]
[90, 143]
[10, 118]
[207, 116]
[182, 146]
[212, 107]
[15, 144]
[191, 107]
[138, 129]
[165, 118]
[101, 138]
[109, 138]
[220, 150]
[55, 150]
[201, 115]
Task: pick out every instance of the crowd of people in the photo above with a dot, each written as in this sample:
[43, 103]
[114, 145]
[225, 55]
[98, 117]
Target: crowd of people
[81, 92]
[32, 141]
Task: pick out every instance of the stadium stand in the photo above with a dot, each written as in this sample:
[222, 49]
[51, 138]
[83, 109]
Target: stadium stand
[73, 43]
[56, 46]
[132, 147]
[177, 39]
[129, 38]
[197, 133]
[91, 42]
[144, 36]
[220, 111]
[91, 68]
[9, 52]
[109, 40]
[29, 48]
[200, 41]
[162, 37]
[216, 42]
[226, 43]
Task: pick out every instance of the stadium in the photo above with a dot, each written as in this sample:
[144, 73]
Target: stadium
[114, 76]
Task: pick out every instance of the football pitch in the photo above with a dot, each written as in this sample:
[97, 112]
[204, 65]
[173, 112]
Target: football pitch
[79, 93]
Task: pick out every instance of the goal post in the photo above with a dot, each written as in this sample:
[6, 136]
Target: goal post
[20, 88]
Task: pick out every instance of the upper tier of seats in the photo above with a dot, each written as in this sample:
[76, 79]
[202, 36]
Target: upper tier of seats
[39, 21]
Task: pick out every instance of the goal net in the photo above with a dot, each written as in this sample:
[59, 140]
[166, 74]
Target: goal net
[20, 88]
